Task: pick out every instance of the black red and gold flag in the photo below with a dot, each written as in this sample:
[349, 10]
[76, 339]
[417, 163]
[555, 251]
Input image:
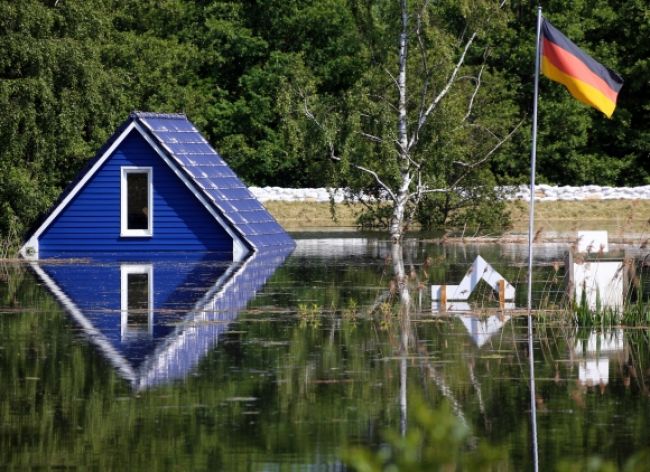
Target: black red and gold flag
[586, 79]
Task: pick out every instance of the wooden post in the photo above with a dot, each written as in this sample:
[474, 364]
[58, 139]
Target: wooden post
[629, 275]
[443, 296]
[502, 293]
[569, 277]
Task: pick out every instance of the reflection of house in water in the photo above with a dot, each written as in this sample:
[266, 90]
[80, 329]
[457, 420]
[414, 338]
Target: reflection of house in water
[155, 320]
[594, 354]
[481, 329]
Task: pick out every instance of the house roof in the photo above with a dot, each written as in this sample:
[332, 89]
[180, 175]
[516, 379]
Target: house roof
[208, 174]
[178, 137]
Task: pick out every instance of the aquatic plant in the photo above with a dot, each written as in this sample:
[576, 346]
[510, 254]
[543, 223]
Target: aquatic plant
[635, 310]
[351, 310]
[435, 440]
[387, 316]
[309, 314]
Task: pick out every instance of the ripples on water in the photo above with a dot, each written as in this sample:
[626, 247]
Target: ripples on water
[276, 365]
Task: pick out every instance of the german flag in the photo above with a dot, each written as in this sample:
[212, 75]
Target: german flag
[586, 79]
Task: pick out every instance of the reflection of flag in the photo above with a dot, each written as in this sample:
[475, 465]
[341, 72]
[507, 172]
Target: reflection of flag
[586, 79]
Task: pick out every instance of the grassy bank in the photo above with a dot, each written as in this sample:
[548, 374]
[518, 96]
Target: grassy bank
[296, 216]
[616, 216]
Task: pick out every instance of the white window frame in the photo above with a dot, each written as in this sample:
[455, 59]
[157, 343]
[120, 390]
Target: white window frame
[125, 232]
[125, 271]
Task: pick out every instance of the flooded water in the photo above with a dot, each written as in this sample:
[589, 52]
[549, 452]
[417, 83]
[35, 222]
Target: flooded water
[276, 363]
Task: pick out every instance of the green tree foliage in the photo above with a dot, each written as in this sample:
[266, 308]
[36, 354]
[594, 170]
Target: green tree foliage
[456, 111]
[578, 145]
[436, 440]
[69, 73]
[71, 70]
[285, 41]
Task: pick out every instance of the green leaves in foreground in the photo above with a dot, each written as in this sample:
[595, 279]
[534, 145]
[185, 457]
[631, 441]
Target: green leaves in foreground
[435, 440]
[638, 462]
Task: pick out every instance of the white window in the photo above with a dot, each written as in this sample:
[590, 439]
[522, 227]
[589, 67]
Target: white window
[136, 202]
[136, 301]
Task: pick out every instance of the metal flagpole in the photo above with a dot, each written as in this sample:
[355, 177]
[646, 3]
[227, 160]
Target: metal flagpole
[533, 155]
[531, 226]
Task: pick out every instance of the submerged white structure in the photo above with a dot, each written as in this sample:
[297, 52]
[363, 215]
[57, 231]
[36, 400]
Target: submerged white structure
[598, 283]
[480, 270]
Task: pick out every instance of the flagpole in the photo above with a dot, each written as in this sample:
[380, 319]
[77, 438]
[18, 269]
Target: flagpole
[531, 227]
[533, 156]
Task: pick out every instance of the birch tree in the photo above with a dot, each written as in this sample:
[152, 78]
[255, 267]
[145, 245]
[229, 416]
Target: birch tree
[426, 117]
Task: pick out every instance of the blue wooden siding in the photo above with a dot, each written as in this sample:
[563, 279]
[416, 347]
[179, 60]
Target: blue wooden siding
[91, 221]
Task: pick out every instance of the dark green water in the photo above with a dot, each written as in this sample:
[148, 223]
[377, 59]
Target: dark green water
[303, 371]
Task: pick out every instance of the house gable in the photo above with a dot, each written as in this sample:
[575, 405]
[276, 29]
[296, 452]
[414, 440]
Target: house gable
[91, 221]
[196, 166]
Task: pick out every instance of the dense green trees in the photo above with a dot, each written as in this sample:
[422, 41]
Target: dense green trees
[72, 70]
[69, 73]
[578, 145]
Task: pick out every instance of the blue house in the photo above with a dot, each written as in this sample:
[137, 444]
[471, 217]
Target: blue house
[156, 187]
[154, 320]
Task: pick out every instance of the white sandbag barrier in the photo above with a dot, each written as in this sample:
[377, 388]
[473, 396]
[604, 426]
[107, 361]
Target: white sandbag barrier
[542, 193]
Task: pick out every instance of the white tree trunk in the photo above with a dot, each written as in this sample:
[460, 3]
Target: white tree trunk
[401, 278]
[401, 197]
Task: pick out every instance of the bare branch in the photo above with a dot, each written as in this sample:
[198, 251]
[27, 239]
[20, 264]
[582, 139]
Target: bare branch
[476, 125]
[467, 166]
[415, 164]
[466, 77]
[424, 191]
[374, 174]
[310, 115]
[332, 152]
[392, 77]
[452, 78]
[473, 97]
[423, 116]
[461, 38]
[371, 137]
[472, 165]
[308, 112]
[377, 179]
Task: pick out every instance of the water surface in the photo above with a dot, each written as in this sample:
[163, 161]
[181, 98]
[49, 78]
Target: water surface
[277, 365]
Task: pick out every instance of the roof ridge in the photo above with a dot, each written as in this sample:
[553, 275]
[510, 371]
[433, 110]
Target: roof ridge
[149, 114]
